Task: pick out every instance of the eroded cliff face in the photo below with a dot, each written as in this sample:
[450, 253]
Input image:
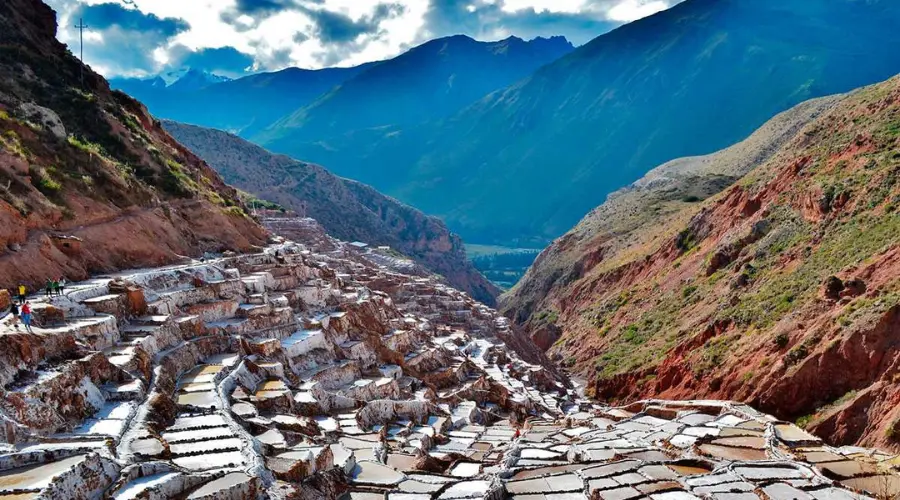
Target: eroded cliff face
[782, 290]
[89, 181]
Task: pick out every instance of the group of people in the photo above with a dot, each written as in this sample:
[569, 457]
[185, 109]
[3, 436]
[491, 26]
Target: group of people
[21, 309]
[55, 286]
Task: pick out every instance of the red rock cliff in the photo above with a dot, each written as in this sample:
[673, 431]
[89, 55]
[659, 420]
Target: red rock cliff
[783, 290]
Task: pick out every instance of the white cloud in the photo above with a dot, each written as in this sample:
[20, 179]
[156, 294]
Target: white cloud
[555, 6]
[280, 33]
[632, 10]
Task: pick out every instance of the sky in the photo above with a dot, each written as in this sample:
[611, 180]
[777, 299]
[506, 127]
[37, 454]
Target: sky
[139, 38]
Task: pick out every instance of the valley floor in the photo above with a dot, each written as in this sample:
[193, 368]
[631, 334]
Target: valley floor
[504, 266]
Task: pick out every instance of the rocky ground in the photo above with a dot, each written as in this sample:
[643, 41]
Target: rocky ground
[318, 370]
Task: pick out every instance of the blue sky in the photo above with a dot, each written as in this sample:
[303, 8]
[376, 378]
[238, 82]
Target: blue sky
[234, 37]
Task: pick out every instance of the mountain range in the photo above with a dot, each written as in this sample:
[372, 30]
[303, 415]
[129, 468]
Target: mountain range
[242, 106]
[449, 73]
[428, 82]
[689, 80]
[765, 271]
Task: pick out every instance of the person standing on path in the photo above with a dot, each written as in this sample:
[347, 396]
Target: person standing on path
[14, 309]
[21, 293]
[49, 287]
[62, 284]
[55, 286]
[26, 316]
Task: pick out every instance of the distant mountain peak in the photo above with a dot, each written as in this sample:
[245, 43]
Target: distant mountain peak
[552, 40]
[188, 79]
[466, 40]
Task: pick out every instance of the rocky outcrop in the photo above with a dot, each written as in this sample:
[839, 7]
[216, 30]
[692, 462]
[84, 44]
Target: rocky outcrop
[780, 290]
[346, 209]
[81, 167]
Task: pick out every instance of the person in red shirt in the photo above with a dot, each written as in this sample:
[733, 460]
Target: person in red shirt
[26, 316]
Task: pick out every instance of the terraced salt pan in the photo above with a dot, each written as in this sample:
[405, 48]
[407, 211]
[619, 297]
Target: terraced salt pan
[539, 454]
[198, 399]
[36, 477]
[367, 472]
[210, 461]
[205, 446]
[139, 485]
[465, 489]
[560, 428]
[197, 434]
[327, 424]
[197, 422]
[93, 427]
[466, 469]
[220, 485]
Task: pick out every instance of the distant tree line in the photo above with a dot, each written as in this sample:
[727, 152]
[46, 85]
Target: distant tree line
[509, 261]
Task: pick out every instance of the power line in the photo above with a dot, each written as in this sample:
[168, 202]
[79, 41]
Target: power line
[81, 27]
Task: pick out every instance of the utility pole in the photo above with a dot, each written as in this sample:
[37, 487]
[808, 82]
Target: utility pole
[81, 27]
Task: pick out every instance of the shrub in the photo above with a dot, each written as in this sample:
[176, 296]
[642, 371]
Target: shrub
[44, 183]
[850, 395]
[631, 334]
[176, 181]
[48, 185]
[13, 143]
[264, 204]
[714, 352]
[216, 199]
[646, 379]
[685, 240]
[547, 316]
[235, 212]
[892, 431]
[796, 355]
[781, 340]
[86, 146]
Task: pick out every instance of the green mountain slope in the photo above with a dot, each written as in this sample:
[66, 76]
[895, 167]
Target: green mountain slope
[525, 163]
[427, 82]
[245, 105]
